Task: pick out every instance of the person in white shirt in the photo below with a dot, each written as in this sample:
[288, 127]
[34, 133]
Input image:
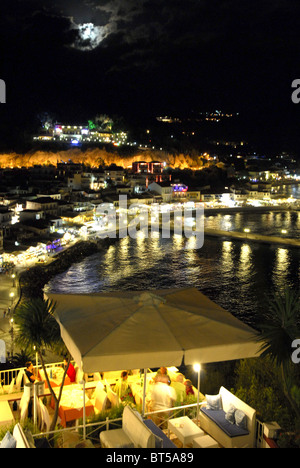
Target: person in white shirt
[161, 397]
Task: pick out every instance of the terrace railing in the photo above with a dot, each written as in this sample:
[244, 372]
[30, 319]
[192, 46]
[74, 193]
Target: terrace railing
[91, 431]
[7, 376]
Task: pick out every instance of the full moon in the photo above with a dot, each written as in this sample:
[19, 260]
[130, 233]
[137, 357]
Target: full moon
[90, 36]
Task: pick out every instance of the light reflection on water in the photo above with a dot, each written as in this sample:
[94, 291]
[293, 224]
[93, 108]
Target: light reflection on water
[235, 274]
[270, 223]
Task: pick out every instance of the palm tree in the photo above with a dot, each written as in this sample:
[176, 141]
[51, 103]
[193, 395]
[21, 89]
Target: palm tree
[38, 328]
[20, 359]
[278, 332]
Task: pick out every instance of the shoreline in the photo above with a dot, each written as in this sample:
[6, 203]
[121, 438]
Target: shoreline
[249, 209]
[33, 280]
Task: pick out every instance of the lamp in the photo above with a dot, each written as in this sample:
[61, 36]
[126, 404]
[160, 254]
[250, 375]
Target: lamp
[12, 297]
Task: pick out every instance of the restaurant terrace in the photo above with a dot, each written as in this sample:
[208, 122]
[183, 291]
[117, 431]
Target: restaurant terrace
[127, 390]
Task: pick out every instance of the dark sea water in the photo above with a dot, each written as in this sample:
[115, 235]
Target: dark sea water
[237, 275]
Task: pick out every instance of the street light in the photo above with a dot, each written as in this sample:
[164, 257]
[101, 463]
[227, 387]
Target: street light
[12, 297]
[197, 368]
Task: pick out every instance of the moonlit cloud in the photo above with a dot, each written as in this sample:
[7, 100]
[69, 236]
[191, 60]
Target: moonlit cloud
[153, 54]
[89, 36]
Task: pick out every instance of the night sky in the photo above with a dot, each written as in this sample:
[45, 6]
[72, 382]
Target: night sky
[142, 58]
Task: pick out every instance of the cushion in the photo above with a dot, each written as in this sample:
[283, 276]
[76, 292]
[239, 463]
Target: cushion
[8, 441]
[135, 429]
[214, 402]
[229, 416]
[240, 419]
[218, 417]
[161, 439]
[115, 438]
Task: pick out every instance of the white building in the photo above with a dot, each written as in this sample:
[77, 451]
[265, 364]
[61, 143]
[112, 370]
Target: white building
[164, 189]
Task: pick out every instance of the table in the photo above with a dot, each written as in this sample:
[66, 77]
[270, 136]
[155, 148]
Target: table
[184, 429]
[56, 379]
[71, 404]
[205, 441]
[6, 414]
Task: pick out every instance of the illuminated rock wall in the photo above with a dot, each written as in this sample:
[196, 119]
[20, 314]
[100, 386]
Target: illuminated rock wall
[94, 158]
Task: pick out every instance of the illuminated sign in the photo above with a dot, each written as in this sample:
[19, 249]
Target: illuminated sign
[180, 188]
[2, 92]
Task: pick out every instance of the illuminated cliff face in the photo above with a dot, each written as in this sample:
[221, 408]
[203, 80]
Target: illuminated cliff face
[93, 158]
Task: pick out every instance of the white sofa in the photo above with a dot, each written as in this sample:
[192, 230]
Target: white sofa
[215, 429]
[134, 433]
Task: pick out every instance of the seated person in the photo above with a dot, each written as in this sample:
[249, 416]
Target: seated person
[30, 372]
[189, 387]
[179, 388]
[71, 372]
[122, 388]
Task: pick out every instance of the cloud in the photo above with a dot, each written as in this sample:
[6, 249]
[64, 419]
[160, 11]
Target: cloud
[192, 52]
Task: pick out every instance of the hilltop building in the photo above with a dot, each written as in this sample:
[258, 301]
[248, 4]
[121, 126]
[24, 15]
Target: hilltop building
[78, 134]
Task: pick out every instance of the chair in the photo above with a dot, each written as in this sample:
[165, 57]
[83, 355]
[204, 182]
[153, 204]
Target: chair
[43, 416]
[38, 409]
[113, 397]
[99, 386]
[79, 375]
[47, 418]
[26, 379]
[19, 379]
[101, 401]
[24, 400]
[11, 386]
[24, 403]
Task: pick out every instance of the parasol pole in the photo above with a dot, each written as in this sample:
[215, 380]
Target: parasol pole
[84, 411]
[83, 400]
[144, 393]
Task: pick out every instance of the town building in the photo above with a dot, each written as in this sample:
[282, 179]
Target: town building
[47, 205]
[164, 189]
